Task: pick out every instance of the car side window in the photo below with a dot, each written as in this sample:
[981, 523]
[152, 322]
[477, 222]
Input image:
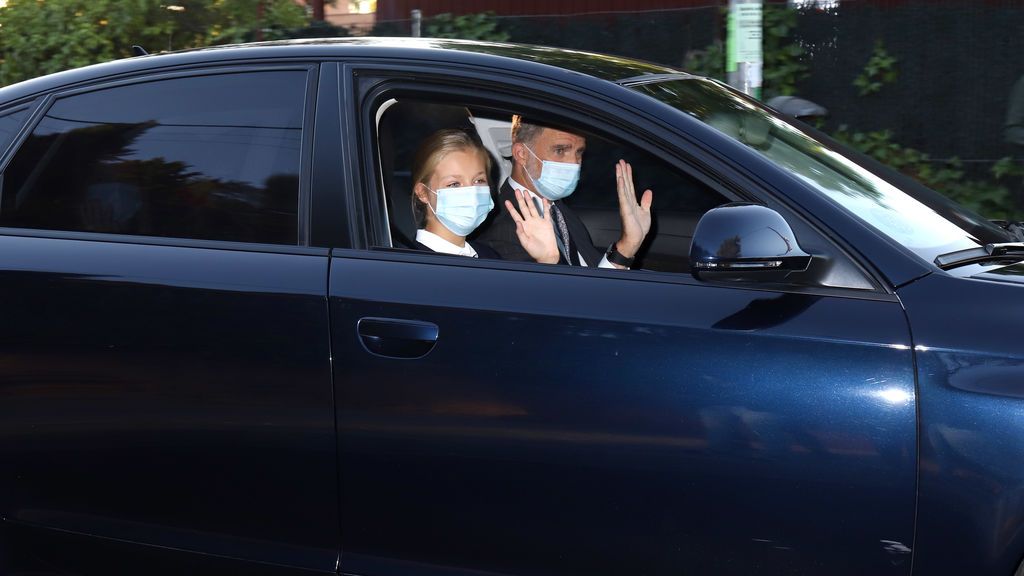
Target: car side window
[681, 195]
[679, 199]
[207, 157]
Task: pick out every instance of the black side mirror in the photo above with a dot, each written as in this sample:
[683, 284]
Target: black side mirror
[745, 242]
[797, 107]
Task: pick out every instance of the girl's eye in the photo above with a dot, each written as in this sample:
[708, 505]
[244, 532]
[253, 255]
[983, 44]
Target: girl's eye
[480, 181]
[453, 185]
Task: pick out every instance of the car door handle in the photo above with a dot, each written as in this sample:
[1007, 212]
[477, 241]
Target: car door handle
[397, 338]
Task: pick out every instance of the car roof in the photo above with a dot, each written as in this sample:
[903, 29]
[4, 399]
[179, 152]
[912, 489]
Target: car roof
[515, 56]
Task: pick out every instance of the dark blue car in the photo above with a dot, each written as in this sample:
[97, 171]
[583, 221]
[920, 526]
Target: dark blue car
[219, 354]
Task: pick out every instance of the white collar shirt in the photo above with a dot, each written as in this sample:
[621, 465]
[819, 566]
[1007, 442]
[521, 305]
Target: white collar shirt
[438, 244]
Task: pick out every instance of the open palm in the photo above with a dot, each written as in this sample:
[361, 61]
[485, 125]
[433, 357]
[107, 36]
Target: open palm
[535, 231]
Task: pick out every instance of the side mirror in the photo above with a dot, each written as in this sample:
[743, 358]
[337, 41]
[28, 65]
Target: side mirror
[797, 107]
[745, 242]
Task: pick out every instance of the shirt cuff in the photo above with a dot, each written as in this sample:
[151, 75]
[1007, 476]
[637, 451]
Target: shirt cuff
[605, 263]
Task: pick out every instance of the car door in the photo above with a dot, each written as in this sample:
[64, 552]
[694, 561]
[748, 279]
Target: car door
[165, 387]
[500, 417]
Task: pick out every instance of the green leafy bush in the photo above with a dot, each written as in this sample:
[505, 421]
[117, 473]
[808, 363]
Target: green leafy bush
[39, 37]
[783, 58]
[880, 70]
[482, 26]
[990, 198]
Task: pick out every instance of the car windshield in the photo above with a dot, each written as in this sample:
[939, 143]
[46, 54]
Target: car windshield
[929, 227]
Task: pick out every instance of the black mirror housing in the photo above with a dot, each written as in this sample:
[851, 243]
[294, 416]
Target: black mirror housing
[743, 241]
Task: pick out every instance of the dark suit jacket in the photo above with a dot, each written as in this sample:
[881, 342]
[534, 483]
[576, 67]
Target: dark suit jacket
[482, 250]
[501, 233]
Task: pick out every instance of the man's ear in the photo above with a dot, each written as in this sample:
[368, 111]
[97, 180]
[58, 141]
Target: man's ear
[519, 153]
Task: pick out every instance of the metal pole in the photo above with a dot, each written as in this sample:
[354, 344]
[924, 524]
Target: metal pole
[417, 18]
[744, 60]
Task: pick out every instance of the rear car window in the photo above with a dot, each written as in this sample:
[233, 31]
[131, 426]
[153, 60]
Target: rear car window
[209, 157]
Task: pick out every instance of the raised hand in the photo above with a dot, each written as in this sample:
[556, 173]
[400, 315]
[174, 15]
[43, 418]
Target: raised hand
[636, 217]
[535, 232]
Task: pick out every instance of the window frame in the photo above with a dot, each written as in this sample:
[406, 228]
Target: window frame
[32, 106]
[45, 102]
[375, 83]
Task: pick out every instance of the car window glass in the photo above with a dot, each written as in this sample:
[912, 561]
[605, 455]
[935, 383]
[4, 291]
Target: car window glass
[679, 202]
[679, 199]
[927, 230]
[211, 157]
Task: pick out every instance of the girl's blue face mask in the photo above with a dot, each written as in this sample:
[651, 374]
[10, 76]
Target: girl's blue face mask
[462, 209]
[557, 179]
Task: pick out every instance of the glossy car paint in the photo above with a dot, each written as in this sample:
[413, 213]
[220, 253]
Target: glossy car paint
[970, 365]
[619, 425]
[168, 396]
[562, 421]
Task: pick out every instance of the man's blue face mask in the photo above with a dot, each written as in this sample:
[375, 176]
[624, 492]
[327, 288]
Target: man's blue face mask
[557, 179]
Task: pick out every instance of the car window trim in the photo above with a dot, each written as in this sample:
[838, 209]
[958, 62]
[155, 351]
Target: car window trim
[332, 223]
[306, 155]
[230, 245]
[42, 104]
[158, 76]
[646, 276]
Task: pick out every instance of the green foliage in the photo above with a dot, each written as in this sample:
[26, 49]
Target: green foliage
[783, 70]
[1008, 167]
[783, 67]
[235, 21]
[482, 26]
[38, 37]
[320, 29]
[707, 62]
[988, 198]
[783, 58]
[880, 70]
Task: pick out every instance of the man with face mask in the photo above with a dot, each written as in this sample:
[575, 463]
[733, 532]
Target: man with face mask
[546, 164]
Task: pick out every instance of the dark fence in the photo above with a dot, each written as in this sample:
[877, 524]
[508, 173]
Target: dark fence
[399, 9]
[956, 61]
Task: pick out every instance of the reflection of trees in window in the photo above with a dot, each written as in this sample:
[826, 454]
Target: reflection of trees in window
[90, 179]
[733, 115]
[731, 247]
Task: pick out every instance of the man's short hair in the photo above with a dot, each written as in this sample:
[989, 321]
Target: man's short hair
[523, 130]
